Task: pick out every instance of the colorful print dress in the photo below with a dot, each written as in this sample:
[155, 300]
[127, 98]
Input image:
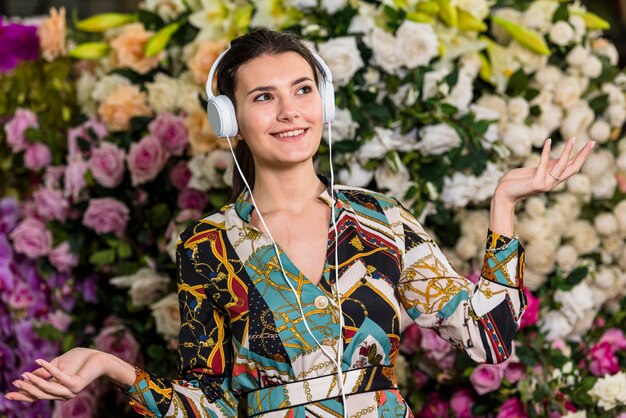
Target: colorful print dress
[243, 346]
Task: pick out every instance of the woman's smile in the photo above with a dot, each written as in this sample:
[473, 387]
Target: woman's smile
[292, 135]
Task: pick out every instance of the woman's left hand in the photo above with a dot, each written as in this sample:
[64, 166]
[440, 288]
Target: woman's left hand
[520, 183]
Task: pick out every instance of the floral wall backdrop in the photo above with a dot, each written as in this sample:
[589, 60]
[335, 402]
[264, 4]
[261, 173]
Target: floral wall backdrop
[106, 154]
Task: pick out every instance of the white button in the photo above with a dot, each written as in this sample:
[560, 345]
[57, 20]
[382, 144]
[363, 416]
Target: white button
[321, 302]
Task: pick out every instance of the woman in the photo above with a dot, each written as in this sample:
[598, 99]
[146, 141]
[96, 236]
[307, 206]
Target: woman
[249, 345]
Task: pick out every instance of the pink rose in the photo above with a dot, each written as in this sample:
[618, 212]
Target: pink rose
[84, 405]
[32, 238]
[514, 372]
[171, 131]
[512, 408]
[602, 359]
[107, 164]
[192, 199]
[50, 204]
[487, 378]
[434, 407]
[59, 320]
[117, 340]
[146, 159]
[62, 258]
[88, 131]
[531, 314]
[435, 346]
[419, 379]
[106, 215]
[21, 296]
[615, 337]
[74, 179]
[410, 339]
[461, 403]
[37, 156]
[53, 175]
[180, 175]
[16, 127]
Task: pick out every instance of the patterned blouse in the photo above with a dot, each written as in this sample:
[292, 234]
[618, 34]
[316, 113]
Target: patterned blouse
[245, 351]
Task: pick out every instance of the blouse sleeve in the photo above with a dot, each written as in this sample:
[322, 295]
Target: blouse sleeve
[205, 358]
[480, 318]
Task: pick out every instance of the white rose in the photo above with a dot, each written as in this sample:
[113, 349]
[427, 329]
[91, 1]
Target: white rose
[612, 247]
[567, 258]
[332, 6]
[551, 117]
[569, 205]
[604, 187]
[584, 323]
[84, 87]
[577, 121]
[592, 67]
[517, 138]
[579, 26]
[478, 8]
[606, 224]
[606, 277]
[461, 94]
[518, 109]
[302, 4]
[583, 236]
[554, 326]
[561, 33]
[438, 139]
[540, 258]
[488, 180]
[539, 16]
[535, 206]
[533, 281]
[620, 163]
[577, 56]
[416, 44]
[577, 414]
[547, 77]
[166, 9]
[355, 175]
[458, 190]
[529, 60]
[567, 91]
[610, 391]
[603, 46]
[616, 114]
[574, 302]
[474, 225]
[538, 135]
[146, 285]
[166, 315]
[343, 127]
[532, 228]
[558, 222]
[620, 214]
[496, 104]
[106, 85]
[622, 259]
[432, 81]
[466, 248]
[616, 96]
[342, 57]
[384, 51]
[163, 93]
[371, 77]
[392, 176]
[492, 134]
[600, 131]
[598, 163]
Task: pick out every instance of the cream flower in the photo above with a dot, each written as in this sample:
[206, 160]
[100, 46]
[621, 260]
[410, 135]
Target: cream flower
[583, 236]
[384, 48]
[620, 214]
[561, 33]
[567, 91]
[201, 136]
[121, 105]
[438, 139]
[166, 9]
[355, 175]
[567, 258]
[343, 127]
[517, 138]
[51, 33]
[606, 224]
[518, 109]
[166, 315]
[577, 121]
[600, 131]
[577, 56]
[610, 391]
[540, 257]
[603, 46]
[554, 326]
[129, 49]
[145, 286]
[416, 43]
[205, 52]
[598, 163]
[342, 57]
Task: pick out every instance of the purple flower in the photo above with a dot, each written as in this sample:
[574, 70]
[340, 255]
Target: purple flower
[37, 156]
[180, 175]
[16, 127]
[6, 253]
[106, 215]
[171, 131]
[21, 297]
[17, 43]
[9, 214]
[192, 199]
[31, 238]
[62, 258]
[7, 282]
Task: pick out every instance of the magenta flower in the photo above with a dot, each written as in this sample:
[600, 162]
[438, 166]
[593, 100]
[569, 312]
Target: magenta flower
[180, 175]
[118, 340]
[84, 405]
[9, 214]
[487, 378]
[62, 258]
[107, 164]
[512, 408]
[17, 43]
[146, 159]
[171, 131]
[434, 407]
[192, 199]
[461, 403]
[615, 337]
[531, 314]
[602, 359]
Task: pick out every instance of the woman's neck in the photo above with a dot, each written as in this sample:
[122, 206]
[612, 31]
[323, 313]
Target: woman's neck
[293, 189]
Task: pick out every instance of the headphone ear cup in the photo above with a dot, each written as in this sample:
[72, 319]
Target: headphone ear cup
[221, 113]
[328, 100]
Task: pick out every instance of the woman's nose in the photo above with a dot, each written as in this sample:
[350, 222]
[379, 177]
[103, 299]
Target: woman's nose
[287, 111]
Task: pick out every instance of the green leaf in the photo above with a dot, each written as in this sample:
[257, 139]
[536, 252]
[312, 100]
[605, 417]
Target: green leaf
[517, 83]
[150, 20]
[159, 215]
[102, 257]
[156, 352]
[526, 355]
[561, 13]
[124, 250]
[576, 276]
[599, 104]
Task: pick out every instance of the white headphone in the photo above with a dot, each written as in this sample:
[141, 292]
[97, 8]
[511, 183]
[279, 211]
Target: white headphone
[221, 110]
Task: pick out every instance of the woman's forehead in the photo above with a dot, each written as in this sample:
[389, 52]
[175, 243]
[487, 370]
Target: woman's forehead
[273, 69]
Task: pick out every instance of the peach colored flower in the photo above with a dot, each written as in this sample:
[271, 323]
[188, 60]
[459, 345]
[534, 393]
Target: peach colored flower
[201, 136]
[200, 63]
[124, 103]
[129, 49]
[52, 34]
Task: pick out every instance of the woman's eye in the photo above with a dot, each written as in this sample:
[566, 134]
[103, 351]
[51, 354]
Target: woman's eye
[305, 89]
[262, 97]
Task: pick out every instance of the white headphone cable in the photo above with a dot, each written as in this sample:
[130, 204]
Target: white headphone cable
[304, 320]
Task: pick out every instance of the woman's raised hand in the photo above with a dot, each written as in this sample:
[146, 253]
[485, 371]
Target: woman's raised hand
[62, 378]
[520, 183]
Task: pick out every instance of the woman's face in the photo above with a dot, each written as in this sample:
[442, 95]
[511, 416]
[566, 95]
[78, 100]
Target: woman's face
[279, 109]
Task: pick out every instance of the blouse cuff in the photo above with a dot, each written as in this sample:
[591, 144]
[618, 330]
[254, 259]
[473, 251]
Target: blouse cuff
[141, 395]
[504, 260]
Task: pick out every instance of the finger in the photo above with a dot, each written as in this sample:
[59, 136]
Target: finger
[41, 372]
[562, 161]
[50, 387]
[576, 164]
[33, 391]
[62, 377]
[19, 396]
[542, 168]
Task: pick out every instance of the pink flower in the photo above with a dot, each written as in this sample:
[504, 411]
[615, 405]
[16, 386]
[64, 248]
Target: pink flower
[487, 378]
[62, 258]
[146, 159]
[84, 405]
[37, 156]
[514, 372]
[531, 314]
[602, 359]
[21, 296]
[434, 407]
[512, 408]
[85, 132]
[107, 164]
[180, 175]
[419, 378]
[74, 179]
[435, 346]
[32, 238]
[192, 199]
[50, 204]
[615, 337]
[59, 319]
[117, 340]
[16, 127]
[410, 339]
[171, 131]
[461, 403]
[106, 215]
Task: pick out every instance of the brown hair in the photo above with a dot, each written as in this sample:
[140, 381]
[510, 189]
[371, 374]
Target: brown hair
[244, 49]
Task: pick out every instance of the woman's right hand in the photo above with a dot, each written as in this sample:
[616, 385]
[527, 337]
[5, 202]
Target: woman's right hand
[63, 377]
